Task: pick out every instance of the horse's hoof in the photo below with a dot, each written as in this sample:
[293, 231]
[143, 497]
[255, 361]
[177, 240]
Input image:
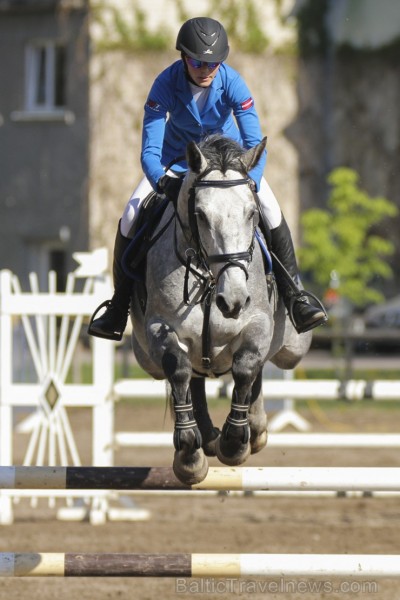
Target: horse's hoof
[259, 442]
[232, 454]
[190, 471]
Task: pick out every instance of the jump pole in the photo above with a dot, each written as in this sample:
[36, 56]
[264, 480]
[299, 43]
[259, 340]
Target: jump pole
[161, 439]
[366, 479]
[197, 565]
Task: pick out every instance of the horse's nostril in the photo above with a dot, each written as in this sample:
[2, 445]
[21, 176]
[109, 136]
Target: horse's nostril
[231, 311]
[222, 304]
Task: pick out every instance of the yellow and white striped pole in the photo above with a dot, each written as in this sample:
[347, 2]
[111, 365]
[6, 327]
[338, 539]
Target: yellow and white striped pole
[197, 565]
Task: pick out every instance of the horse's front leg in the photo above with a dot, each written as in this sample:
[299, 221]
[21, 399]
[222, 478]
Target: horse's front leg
[257, 416]
[234, 445]
[190, 464]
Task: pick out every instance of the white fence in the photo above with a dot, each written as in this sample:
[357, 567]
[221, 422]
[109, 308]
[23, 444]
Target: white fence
[280, 389]
[157, 439]
[51, 323]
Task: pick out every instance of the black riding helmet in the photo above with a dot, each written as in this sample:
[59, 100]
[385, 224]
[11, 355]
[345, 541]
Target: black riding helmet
[204, 39]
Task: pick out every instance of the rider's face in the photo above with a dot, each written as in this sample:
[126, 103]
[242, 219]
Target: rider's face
[202, 76]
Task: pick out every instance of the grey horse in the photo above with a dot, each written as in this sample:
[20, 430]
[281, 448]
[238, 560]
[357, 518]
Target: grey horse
[210, 309]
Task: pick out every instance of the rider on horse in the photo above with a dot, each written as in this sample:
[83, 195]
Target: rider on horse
[196, 96]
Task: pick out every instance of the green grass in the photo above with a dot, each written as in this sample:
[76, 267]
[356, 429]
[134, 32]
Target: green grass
[367, 374]
[349, 405]
[133, 371]
[344, 405]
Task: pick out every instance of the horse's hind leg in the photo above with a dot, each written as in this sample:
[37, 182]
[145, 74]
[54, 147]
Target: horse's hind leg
[257, 417]
[234, 446]
[209, 433]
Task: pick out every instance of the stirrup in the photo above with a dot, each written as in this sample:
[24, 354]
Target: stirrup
[111, 336]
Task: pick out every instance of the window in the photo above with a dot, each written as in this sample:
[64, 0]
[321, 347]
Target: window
[45, 84]
[58, 263]
[44, 256]
[45, 76]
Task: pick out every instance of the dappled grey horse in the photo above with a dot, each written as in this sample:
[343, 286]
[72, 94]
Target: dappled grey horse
[210, 309]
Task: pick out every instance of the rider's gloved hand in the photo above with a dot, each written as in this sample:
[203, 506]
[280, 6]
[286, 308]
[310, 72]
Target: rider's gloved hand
[170, 186]
[252, 184]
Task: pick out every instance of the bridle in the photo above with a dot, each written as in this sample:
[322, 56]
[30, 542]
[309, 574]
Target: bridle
[232, 259]
[204, 260]
[198, 252]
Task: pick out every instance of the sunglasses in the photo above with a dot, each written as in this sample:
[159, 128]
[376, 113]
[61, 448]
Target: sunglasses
[197, 64]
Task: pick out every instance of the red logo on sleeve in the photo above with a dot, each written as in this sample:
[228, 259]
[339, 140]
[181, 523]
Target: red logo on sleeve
[247, 104]
[153, 105]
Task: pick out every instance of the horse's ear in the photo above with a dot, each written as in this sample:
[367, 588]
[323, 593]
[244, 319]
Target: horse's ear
[252, 156]
[196, 161]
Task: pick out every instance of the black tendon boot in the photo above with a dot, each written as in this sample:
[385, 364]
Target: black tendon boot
[112, 323]
[305, 315]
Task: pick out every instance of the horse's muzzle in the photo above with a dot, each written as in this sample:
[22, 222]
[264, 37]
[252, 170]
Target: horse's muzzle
[231, 310]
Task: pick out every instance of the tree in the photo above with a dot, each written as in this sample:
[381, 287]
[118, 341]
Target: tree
[341, 239]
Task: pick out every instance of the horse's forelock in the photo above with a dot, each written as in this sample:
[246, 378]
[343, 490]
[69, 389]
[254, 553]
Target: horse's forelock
[222, 153]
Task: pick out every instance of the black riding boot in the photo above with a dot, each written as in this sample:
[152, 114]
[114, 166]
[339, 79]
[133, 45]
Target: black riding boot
[303, 314]
[112, 323]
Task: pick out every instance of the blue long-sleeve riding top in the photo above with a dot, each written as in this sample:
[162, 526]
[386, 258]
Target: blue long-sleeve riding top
[172, 119]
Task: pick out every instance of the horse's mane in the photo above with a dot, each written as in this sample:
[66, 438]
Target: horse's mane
[222, 153]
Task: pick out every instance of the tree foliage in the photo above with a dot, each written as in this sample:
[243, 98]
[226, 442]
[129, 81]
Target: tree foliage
[126, 30]
[242, 23]
[341, 239]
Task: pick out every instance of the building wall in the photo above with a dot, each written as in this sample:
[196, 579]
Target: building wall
[43, 159]
[316, 118]
[318, 113]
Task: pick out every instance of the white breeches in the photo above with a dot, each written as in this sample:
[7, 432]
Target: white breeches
[271, 209]
[269, 203]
